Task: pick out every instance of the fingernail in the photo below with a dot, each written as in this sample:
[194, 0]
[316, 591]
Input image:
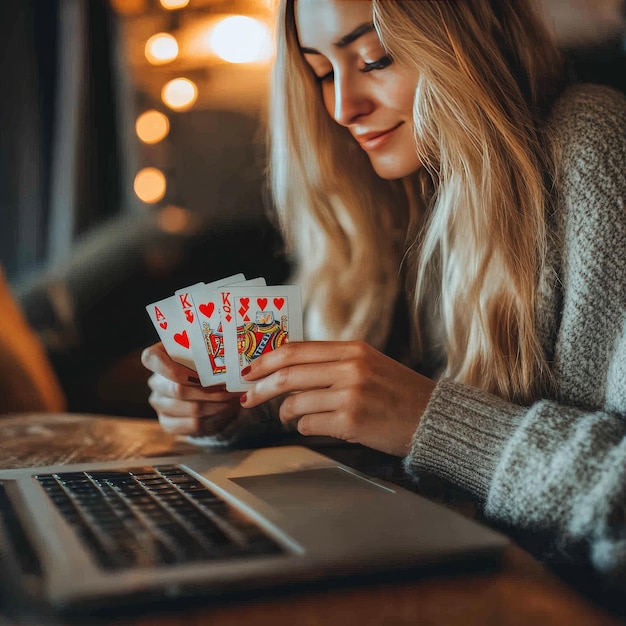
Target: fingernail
[243, 399]
[193, 379]
[245, 370]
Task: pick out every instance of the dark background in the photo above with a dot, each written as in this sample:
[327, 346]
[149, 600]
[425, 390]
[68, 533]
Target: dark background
[84, 261]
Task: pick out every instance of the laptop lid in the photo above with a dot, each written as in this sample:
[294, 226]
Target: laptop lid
[292, 515]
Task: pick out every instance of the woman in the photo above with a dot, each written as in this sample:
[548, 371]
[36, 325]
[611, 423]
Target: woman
[458, 224]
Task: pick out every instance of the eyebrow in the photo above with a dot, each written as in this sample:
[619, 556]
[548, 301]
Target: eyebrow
[359, 31]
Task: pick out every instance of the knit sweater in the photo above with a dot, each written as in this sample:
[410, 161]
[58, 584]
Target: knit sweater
[557, 469]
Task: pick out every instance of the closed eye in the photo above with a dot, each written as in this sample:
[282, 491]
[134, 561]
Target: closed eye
[381, 64]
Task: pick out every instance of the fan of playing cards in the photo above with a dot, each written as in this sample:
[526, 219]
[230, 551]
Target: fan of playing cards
[219, 328]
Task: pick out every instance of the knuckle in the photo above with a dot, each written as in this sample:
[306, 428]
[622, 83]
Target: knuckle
[153, 400]
[350, 397]
[153, 382]
[164, 423]
[196, 425]
[283, 377]
[177, 391]
[361, 349]
[292, 351]
[346, 424]
[196, 411]
[147, 356]
[288, 408]
[359, 371]
[304, 427]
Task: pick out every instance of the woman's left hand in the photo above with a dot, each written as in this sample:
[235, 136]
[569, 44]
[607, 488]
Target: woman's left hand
[346, 390]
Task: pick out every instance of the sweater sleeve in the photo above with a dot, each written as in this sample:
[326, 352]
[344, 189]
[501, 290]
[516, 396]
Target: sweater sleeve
[556, 470]
[551, 469]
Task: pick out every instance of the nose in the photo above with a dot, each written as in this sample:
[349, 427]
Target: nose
[351, 99]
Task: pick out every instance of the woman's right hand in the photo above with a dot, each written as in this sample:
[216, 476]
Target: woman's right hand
[182, 405]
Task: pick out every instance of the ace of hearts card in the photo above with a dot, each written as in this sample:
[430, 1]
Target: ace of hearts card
[169, 322]
[257, 320]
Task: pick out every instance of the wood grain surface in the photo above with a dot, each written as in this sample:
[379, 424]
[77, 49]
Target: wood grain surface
[519, 592]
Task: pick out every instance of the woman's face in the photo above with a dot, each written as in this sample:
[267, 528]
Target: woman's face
[362, 88]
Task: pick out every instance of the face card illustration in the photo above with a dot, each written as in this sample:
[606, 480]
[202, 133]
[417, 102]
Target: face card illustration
[261, 320]
[213, 363]
[169, 322]
[198, 309]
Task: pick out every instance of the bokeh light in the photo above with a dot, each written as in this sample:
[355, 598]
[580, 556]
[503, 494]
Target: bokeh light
[150, 185]
[241, 39]
[179, 94]
[174, 4]
[152, 126]
[176, 220]
[161, 48]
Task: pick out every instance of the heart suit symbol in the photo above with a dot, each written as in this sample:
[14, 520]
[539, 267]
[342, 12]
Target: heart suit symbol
[207, 309]
[182, 339]
[262, 302]
[278, 303]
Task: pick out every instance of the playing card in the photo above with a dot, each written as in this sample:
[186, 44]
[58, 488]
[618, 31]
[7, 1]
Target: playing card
[257, 320]
[205, 328]
[193, 324]
[169, 321]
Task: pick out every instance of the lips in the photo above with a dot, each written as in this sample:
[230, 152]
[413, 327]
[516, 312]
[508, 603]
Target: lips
[375, 139]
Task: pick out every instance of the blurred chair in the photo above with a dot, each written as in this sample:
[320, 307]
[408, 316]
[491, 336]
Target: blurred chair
[90, 313]
[27, 379]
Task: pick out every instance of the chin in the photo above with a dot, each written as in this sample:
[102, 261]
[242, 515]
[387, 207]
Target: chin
[393, 168]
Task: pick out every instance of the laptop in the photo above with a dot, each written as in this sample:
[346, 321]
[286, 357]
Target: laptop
[117, 532]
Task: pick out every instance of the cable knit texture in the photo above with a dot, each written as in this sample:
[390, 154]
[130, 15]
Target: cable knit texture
[557, 469]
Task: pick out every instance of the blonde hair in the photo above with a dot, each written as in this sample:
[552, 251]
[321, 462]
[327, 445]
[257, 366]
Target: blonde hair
[471, 223]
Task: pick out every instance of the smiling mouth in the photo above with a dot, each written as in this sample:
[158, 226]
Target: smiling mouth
[373, 141]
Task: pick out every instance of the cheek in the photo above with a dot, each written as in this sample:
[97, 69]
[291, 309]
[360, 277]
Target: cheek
[400, 90]
[401, 99]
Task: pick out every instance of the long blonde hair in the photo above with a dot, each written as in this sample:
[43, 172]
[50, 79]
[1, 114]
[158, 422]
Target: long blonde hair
[471, 224]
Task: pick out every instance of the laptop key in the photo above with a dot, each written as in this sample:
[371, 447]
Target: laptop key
[142, 517]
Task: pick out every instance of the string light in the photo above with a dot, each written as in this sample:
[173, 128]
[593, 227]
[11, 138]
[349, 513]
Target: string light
[241, 39]
[152, 126]
[161, 48]
[150, 185]
[176, 220]
[179, 94]
[174, 4]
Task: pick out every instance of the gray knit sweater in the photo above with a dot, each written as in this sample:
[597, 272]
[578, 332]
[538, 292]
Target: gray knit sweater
[557, 469]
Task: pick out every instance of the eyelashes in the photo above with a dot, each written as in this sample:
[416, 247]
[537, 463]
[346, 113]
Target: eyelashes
[380, 64]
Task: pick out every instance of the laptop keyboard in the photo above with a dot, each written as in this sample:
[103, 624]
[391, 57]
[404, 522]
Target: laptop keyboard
[147, 516]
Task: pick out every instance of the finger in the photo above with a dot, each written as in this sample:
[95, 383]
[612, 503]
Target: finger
[202, 426]
[164, 405]
[156, 359]
[328, 424]
[166, 387]
[299, 352]
[297, 378]
[297, 405]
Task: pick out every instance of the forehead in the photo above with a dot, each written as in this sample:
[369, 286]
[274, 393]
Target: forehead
[320, 23]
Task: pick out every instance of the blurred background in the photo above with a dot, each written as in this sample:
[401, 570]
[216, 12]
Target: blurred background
[132, 160]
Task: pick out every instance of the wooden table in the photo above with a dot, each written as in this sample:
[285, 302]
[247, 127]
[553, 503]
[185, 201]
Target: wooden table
[521, 592]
